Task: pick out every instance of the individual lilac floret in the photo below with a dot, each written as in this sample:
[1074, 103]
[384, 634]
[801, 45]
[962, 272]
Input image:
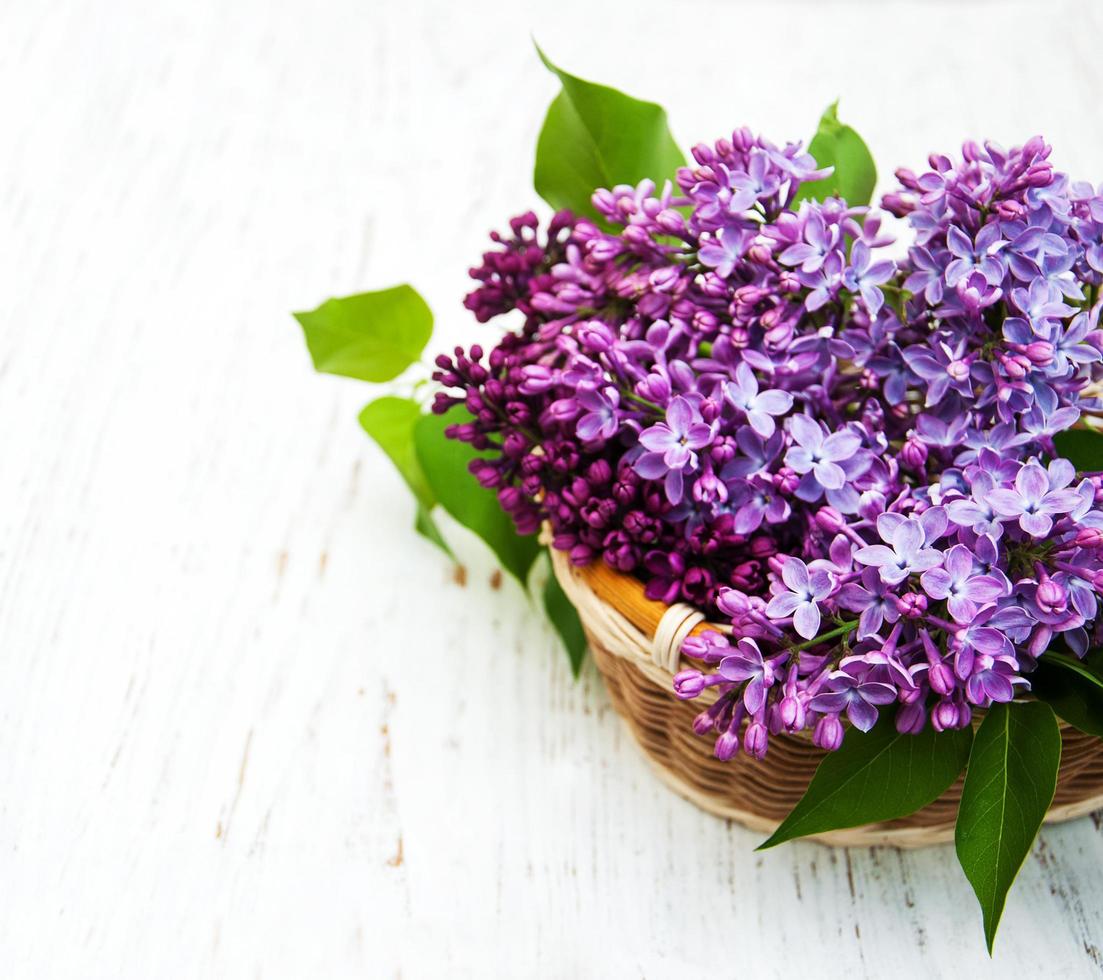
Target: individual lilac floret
[859, 700]
[760, 407]
[903, 553]
[961, 584]
[747, 666]
[864, 276]
[672, 446]
[817, 455]
[803, 590]
[600, 420]
[1036, 497]
[873, 598]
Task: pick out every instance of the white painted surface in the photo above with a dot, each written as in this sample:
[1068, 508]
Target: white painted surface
[249, 724]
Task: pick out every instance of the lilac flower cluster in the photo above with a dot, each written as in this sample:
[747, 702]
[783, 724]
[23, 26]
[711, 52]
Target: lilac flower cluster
[735, 396]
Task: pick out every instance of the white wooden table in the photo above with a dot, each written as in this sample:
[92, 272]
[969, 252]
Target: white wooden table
[250, 724]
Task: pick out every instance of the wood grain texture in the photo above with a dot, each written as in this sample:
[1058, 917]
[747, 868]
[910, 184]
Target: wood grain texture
[225, 750]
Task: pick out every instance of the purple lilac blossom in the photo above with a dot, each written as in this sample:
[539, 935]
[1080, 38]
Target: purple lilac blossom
[733, 395]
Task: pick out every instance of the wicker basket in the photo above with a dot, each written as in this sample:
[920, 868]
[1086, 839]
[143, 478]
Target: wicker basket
[635, 642]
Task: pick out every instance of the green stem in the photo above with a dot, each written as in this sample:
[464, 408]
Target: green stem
[643, 401]
[824, 637]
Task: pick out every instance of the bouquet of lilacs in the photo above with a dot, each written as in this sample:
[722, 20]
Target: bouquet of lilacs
[865, 443]
[739, 398]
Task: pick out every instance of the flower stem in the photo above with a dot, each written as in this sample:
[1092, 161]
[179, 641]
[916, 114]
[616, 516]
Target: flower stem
[643, 401]
[842, 630]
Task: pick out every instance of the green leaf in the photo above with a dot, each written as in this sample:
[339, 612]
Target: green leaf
[875, 776]
[1082, 447]
[444, 462]
[426, 526]
[594, 136]
[1008, 789]
[1072, 688]
[370, 336]
[564, 617]
[838, 145]
[390, 422]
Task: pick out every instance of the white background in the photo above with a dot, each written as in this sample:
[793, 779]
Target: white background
[249, 724]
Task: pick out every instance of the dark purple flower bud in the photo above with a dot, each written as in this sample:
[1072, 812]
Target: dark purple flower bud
[510, 498]
[912, 605]
[1040, 352]
[786, 481]
[762, 546]
[581, 554]
[756, 740]
[486, 473]
[703, 723]
[940, 677]
[830, 520]
[745, 575]
[1050, 595]
[897, 205]
[727, 745]
[944, 716]
[913, 454]
[828, 733]
[689, 683]
[1015, 366]
[911, 718]
[1089, 538]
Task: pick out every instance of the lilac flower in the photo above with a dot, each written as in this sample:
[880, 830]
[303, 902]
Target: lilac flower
[1036, 497]
[729, 247]
[992, 679]
[635, 414]
[873, 598]
[859, 700]
[803, 590]
[759, 407]
[903, 553]
[970, 255]
[942, 367]
[816, 453]
[672, 445]
[864, 275]
[958, 583]
[747, 665]
[928, 276]
[601, 420]
[756, 501]
[819, 242]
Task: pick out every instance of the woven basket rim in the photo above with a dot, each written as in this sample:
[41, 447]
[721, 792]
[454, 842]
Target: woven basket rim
[621, 623]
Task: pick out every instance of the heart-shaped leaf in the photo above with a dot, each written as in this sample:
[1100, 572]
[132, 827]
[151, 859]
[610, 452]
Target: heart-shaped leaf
[594, 136]
[1009, 786]
[875, 776]
[838, 145]
[1072, 688]
[1082, 447]
[564, 617]
[444, 462]
[371, 336]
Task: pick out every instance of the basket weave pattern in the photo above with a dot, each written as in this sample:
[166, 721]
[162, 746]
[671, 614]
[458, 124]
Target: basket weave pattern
[621, 625]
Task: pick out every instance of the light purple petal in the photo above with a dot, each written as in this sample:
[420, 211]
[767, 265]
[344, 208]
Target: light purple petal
[783, 605]
[862, 716]
[936, 582]
[794, 573]
[806, 620]
[875, 554]
[1032, 482]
